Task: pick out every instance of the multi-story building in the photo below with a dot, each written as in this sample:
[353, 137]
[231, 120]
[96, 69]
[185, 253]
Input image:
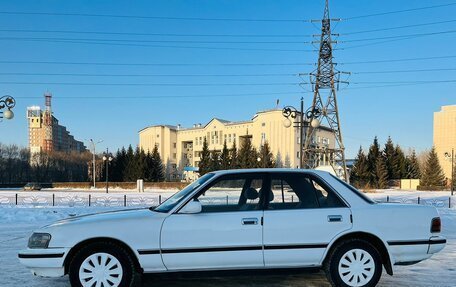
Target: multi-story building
[46, 134]
[445, 136]
[181, 147]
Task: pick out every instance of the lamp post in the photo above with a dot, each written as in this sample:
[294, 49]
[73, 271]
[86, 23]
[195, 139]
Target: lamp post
[94, 144]
[291, 113]
[107, 158]
[9, 103]
[451, 157]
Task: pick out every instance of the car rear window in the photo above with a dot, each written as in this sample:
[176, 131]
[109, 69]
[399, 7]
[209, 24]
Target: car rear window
[355, 191]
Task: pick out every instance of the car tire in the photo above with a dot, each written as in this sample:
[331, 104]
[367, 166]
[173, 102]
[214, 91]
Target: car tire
[354, 262]
[106, 262]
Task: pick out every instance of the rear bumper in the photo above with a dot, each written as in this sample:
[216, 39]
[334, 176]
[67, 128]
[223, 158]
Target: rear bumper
[44, 262]
[436, 244]
[414, 251]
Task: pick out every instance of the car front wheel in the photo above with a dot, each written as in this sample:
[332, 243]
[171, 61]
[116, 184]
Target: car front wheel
[354, 263]
[102, 264]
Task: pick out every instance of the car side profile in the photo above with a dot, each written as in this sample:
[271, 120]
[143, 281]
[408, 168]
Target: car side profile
[240, 220]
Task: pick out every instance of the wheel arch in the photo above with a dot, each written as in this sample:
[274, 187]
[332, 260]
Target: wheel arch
[369, 237]
[73, 251]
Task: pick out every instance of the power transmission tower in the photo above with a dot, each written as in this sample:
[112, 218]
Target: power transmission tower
[324, 106]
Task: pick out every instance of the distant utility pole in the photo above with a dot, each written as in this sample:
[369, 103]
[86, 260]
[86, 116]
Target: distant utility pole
[94, 144]
[323, 81]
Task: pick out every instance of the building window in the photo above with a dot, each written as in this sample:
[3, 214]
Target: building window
[174, 145]
[174, 155]
[263, 124]
[158, 136]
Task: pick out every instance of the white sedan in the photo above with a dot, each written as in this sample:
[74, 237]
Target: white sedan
[238, 220]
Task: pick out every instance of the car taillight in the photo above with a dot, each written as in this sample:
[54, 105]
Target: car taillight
[436, 225]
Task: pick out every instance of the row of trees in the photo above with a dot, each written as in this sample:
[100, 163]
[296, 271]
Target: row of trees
[17, 165]
[246, 157]
[129, 165]
[376, 168]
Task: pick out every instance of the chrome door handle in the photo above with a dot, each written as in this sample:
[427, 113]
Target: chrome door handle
[249, 221]
[334, 218]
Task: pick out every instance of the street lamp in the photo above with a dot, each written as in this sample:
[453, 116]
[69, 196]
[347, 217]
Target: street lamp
[451, 156]
[9, 103]
[93, 160]
[291, 113]
[107, 158]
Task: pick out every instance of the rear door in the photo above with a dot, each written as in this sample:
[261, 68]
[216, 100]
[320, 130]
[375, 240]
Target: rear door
[226, 234]
[302, 215]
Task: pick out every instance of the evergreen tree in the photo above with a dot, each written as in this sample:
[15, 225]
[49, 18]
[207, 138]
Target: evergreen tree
[150, 168]
[157, 163]
[215, 161]
[141, 167]
[381, 173]
[129, 173]
[278, 160]
[118, 165]
[225, 157]
[205, 159]
[390, 154]
[247, 154]
[234, 160]
[266, 157]
[399, 163]
[433, 176]
[360, 172]
[412, 167]
[372, 157]
[287, 163]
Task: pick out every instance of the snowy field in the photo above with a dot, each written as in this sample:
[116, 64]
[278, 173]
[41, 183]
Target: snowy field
[16, 224]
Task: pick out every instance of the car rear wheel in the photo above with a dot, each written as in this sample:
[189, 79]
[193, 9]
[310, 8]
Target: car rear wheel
[354, 263]
[102, 265]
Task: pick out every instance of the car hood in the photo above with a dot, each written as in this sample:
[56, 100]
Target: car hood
[116, 215]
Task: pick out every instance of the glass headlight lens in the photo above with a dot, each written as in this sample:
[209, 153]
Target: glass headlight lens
[39, 240]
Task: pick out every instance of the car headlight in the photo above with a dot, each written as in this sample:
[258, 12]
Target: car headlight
[39, 240]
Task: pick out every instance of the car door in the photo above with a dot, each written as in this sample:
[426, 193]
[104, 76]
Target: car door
[227, 233]
[301, 217]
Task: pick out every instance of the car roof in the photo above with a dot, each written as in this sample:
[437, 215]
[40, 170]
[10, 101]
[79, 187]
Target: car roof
[269, 170]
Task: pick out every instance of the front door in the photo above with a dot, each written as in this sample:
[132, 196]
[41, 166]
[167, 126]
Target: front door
[301, 217]
[226, 234]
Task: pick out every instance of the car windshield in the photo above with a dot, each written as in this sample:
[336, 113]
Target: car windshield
[171, 202]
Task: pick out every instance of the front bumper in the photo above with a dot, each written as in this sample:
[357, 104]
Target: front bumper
[44, 262]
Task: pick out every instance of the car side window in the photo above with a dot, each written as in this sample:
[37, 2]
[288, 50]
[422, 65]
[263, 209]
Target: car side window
[240, 193]
[298, 191]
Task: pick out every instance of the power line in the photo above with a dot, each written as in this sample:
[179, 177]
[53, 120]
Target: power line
[151, 17]
[399, 11]
[154, 41]
[48, 40]
[164, 96]
[398, 60]
[401, 36]
[404, 71]
[216, 35]
[145, 75]
[147, 84]
[397, 27]
[153, 34]
[152, 64]
[23, 13]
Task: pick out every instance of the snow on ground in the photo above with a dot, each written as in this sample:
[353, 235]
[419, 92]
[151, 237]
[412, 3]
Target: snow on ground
[17, 223]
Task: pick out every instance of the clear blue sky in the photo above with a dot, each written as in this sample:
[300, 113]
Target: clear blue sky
[405, 112]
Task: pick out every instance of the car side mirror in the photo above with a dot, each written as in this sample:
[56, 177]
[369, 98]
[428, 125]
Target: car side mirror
[192, 207]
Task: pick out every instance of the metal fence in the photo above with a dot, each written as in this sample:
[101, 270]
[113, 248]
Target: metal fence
[139, 200]
[80, 200]
[439, 202]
